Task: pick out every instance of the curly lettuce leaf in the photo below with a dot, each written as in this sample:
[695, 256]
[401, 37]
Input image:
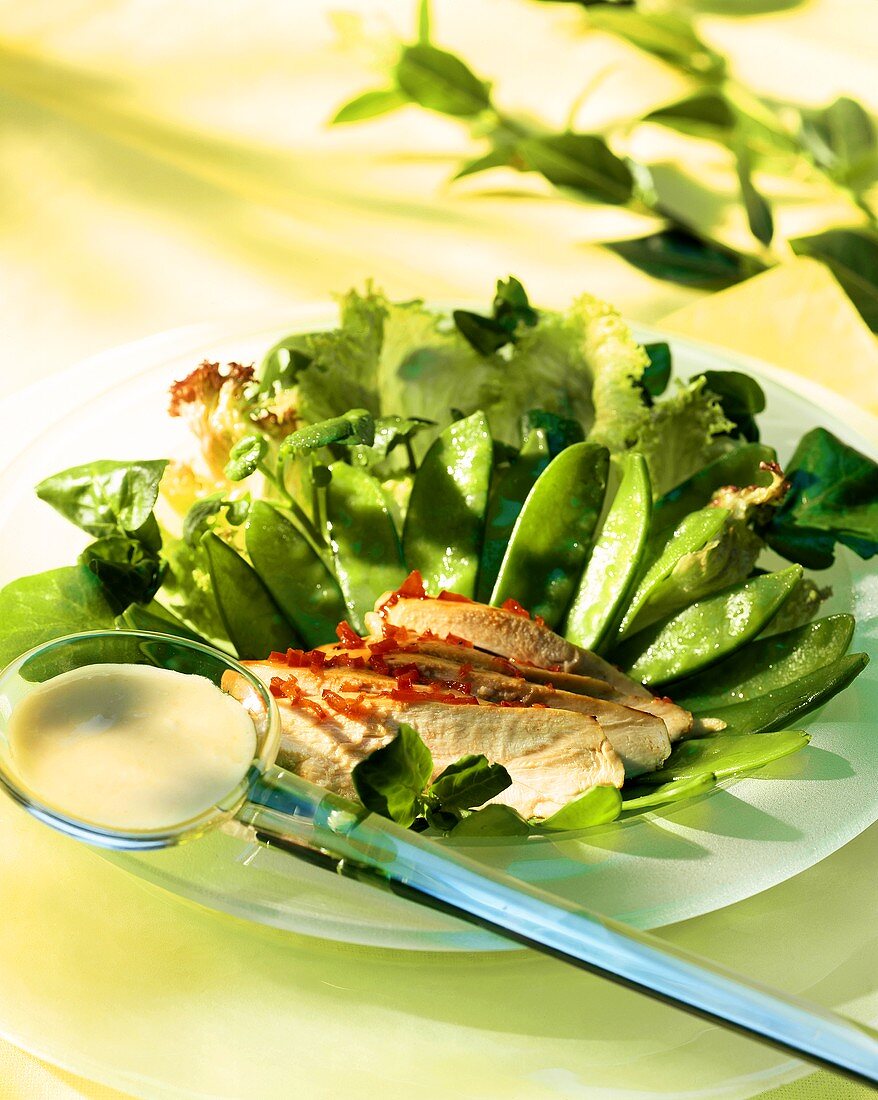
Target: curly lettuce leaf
[681, 434]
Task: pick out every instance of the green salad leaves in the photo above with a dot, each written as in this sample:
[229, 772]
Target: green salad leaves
[517, 455]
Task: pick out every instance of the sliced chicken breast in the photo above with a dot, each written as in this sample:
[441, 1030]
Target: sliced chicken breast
[552, 756]
[499, 631]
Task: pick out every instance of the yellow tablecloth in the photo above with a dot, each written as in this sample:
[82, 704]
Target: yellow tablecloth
[165, 163]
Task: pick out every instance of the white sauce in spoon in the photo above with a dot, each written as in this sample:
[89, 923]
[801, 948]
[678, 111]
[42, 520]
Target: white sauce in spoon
[130, 746]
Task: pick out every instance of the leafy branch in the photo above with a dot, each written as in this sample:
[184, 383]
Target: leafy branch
[836, 145]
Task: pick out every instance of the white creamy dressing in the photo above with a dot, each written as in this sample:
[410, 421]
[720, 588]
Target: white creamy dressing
[131, 746]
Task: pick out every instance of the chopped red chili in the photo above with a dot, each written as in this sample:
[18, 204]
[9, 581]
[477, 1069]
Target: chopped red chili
[453, 597]
[348, 636]
[412, 588]
[290, 690]
[515, 607]
[455, 639]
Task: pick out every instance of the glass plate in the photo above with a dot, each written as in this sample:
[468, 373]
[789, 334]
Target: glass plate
[657, 869]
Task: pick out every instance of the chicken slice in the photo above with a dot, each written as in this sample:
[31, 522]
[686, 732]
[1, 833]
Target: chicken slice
[506, 633]
[552, 756]
[640, 739]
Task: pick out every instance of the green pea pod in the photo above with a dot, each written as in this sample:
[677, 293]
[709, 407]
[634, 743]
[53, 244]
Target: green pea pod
[615, 559]
[738, 467]
[767, 664]
[597, 806]
[365, 545]
[791, 700]
[693, 533]
[445, 518]
[153, 616]
[642, 798]
[726, 755]
[706, 631]
[253, 621]
[294, 574]
[552, 535]
[509, 489]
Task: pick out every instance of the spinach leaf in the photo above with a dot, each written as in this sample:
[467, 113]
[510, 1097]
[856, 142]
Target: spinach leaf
[391, 779]
[129, 571]
[105, 498]
[657, 373]
[469, 782]
[49, 605]
[756, 207]
[833, 498]
[741, 399]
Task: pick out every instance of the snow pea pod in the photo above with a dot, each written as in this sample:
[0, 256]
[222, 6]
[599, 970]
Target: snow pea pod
[364, 542]
[253, 621]
[643, 798]
[294, 574]
[442, 536]
[726, 755]
[738, 467]
[552, 535]
[153, 616]
[615, 559]
[706, 631]
[793, 699]
[767, 664]
[509, 489]
[694, 532]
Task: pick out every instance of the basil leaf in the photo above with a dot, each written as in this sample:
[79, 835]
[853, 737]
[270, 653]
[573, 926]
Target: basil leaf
[581, 161]
[128, 571]
[741, 398]
[597, 806]
[245, 456]
[380, 101]
[49, 605]
[390, 780]
[681, 257]
[469, 782]
[440, 81]
[852, 257]
[497, 158]
[495, 820]
[839, 137]
[833, 498]
[105, 498]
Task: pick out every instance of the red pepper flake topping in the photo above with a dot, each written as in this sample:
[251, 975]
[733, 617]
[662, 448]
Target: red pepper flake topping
[453, 597]
[515, 607]
[351, 708]
[407, 676]
[539, 620]
[412, 588]
[346, 660]
[435, 694]
[455, 639]
[288, 689]
[348, 636]
[508, 668]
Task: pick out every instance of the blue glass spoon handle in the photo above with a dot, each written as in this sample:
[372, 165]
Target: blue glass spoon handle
[292, 812]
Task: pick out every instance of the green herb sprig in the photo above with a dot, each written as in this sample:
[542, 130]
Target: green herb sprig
[836, 145]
